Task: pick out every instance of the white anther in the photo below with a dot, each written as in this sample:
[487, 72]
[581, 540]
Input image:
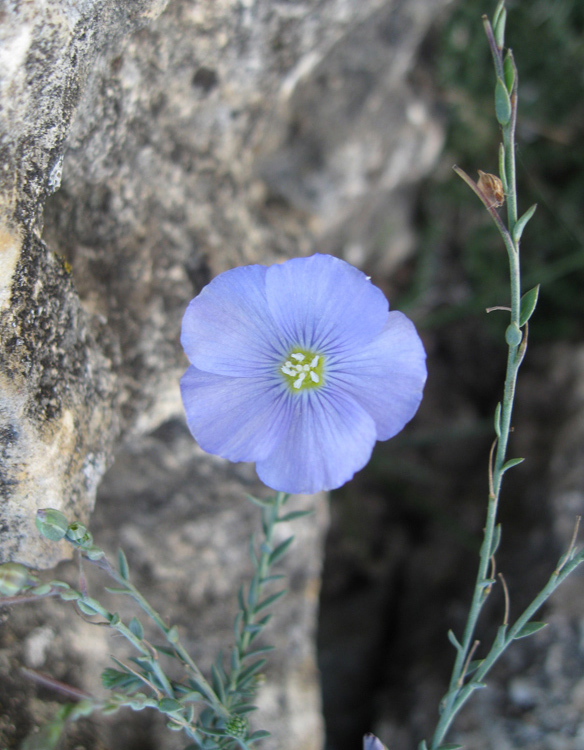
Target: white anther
[298, 356]
[315, 361]
[299, 379]
[314, 377]
[288, 371]
[306, 368]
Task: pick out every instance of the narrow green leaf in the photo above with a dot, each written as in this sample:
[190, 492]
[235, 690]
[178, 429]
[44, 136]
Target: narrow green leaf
[511, 463]
[270, 600]
[496, 541]
[249, 672]
[530, 629]
[293, 515]
[197, 686]
[172, 635]
[502, 170]
[253, 593]
[252, 552]
[220, 669]
[123, 565]
[243, 708]
[509, 72]
[257, 652]
[423, 745]
[451, 746]
[212, 732]
[87, 609]
[261, 503]
[136, 628]
[454, 640]
[498, 10]
[115, 590]
[528, 303]
[237, 625]
[235, 659]
[218, 686]
[502, 103]
[280, 551]
[499, 29]
[522, 223]
[276, 577]
[498, 419]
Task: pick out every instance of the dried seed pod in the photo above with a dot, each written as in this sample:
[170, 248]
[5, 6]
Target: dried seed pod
[492, 188]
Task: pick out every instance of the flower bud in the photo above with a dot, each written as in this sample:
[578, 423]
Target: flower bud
[51, 523]
[13, 578]
[78, 533]
[236, 726]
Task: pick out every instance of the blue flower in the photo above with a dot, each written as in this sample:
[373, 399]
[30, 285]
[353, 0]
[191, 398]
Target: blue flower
[299, 367]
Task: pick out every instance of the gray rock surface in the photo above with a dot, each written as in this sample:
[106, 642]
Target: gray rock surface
[148, 145]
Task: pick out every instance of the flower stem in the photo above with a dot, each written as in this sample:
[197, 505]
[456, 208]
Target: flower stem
[458, 691]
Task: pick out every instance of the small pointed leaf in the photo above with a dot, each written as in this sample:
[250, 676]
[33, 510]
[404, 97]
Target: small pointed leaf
[123, 565]
[454, 640]
[270, 600]
[496, 539]
[522, 222]
[511, 463]
[509, 72]
[218, 686]
[293, 515]
[135, 626]
[530, 629]
[528, 303]
[261, 503]
[498, 420]
[280, 550]
[502, 103]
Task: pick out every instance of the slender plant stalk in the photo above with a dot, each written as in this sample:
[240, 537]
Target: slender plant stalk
[460, 687]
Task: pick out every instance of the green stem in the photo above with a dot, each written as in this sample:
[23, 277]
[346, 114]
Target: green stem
[458, 692]
[270, 518]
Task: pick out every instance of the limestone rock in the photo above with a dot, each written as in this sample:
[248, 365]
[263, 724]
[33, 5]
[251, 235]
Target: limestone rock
[148, 145]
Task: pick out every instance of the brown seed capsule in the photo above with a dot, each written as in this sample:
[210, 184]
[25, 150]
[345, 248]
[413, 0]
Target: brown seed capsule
[492, 188]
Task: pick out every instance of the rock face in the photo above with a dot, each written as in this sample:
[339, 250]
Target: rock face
[146, 146]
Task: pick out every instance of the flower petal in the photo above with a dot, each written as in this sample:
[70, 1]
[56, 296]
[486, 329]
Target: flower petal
[328, 439]
[321, 301]
[386, 376]
[241, 419]
[227, 329]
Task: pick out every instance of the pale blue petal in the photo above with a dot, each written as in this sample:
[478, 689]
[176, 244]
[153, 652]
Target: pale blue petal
[329, 438]
[322, 302]
[241, 419]
[227, 329]
[386, 376]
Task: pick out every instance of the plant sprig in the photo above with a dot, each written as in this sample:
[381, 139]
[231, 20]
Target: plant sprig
[468, 675]
[141, 683]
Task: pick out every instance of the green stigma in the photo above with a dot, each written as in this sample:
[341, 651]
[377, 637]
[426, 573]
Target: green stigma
[303, 370]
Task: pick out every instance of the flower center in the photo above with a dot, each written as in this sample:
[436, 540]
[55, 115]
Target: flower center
[303, 370]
